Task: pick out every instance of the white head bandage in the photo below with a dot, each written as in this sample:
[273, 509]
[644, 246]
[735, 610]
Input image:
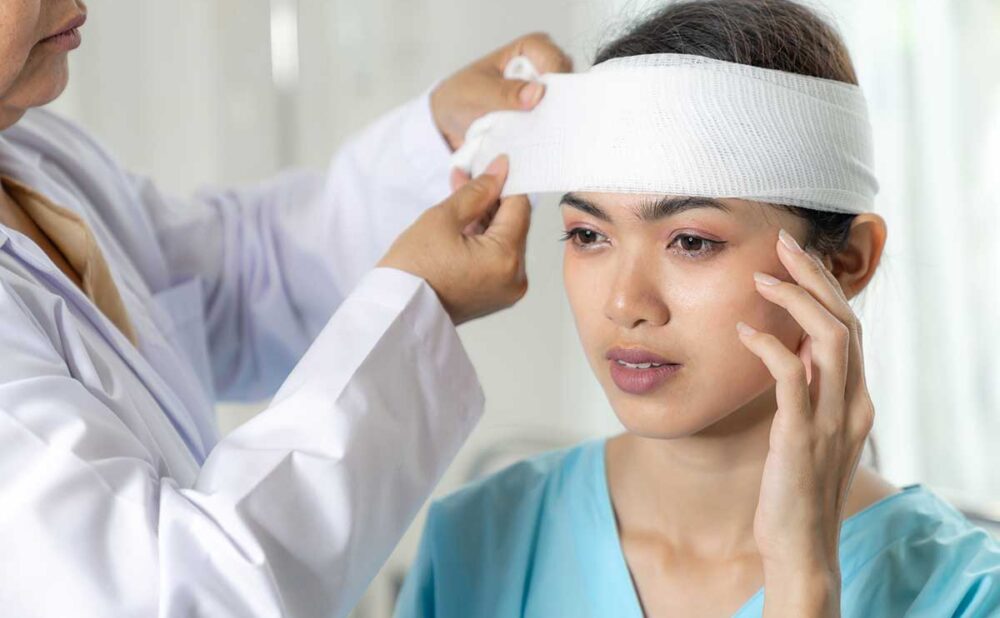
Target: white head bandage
[685, 125]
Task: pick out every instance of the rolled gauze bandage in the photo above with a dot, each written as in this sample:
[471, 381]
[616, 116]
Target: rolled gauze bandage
[676, 124]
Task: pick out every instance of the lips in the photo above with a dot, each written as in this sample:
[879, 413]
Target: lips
[636, 356]
[637, 371]
[69, 26]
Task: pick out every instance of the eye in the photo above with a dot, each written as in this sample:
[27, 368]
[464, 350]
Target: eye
[691, 243]
[583, 237]
[695, 246]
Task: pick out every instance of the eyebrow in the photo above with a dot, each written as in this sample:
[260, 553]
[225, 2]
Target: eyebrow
[649, 210]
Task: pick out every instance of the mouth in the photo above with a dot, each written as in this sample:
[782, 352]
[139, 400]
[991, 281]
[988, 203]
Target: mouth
[637, 371]
[68, 35]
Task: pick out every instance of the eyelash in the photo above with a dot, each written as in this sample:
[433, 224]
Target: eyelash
[575, 235]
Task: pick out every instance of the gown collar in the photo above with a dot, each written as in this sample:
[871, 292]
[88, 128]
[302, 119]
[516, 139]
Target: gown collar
[610, 584]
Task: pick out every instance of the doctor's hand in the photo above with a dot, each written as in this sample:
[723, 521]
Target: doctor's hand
[817, 436]
[480, 88]
[469, 248]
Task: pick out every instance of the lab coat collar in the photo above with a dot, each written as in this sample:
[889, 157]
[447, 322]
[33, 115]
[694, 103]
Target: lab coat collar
[25, 166]
[26, 252]
[13, 157]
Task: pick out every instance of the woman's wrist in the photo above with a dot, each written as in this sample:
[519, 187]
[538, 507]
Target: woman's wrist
[802, 594]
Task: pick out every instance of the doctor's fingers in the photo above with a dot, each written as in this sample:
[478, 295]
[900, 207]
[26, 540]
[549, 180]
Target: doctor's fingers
[502, 246]
[511, 222]
[519, 94]
[537, 47]
[476, 199]
[458, 179]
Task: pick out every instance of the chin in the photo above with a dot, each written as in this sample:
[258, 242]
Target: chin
[670, 416]
[661, 419]
[55, 84]
[45, 85]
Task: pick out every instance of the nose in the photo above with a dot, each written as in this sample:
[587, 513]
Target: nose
[635, 298]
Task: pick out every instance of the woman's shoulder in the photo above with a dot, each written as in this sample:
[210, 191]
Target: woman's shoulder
[512, 496]
[484, 544]
[917, 512]
[924, 551]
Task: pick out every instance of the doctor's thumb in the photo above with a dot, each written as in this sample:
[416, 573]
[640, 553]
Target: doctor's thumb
[477, 199]
[511, 222]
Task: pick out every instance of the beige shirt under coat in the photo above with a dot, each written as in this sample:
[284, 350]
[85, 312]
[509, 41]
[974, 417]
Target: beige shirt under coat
[73, 238]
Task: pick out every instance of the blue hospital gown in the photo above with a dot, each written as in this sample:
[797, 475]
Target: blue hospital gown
[539, 539]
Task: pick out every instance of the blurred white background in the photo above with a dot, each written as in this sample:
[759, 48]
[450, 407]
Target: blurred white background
[196, 92]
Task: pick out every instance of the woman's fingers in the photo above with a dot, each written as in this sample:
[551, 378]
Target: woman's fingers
[791, 389]
[810, 273]
[829, 337]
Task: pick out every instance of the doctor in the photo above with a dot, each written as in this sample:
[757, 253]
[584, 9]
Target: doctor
[126, 313]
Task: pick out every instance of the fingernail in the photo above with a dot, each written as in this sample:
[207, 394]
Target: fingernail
[458, 178]
[789, 242]
[745, 329]
[532, 94]
[497, 166]
[765, 279]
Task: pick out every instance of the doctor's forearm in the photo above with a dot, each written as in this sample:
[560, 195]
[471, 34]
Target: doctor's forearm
[325, 482]
[294, 247]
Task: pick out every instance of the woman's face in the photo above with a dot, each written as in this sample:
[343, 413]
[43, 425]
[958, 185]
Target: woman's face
[656, 280]
[34, 44]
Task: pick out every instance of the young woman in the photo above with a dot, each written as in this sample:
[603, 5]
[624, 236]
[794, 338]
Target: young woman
[722, 334]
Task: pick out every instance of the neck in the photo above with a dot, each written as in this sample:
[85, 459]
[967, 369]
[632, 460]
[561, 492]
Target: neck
[696, 494]
[10, 114]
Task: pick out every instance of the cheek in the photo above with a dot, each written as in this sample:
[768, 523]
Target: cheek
[19, 32]
[581, 290]
[714, 300]
[740, 301]
[587, 281]
[706, 315]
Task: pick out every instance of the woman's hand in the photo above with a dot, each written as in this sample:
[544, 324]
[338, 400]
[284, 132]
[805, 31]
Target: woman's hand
[817, 436]
[480, 88]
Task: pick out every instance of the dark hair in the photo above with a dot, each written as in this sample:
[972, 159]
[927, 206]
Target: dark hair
[771, 34]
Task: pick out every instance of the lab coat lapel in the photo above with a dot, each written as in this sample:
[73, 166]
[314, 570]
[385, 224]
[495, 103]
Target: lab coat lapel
[25, 167]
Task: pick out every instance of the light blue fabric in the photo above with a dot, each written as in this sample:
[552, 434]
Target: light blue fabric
[539, 539]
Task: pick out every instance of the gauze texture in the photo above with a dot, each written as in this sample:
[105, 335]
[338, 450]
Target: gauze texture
[685, 125]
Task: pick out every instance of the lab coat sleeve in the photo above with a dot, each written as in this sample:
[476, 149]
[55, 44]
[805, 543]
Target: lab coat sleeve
[292, 514]
[275, 260]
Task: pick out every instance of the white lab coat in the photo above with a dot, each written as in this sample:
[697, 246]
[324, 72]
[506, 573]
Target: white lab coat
[117, 497]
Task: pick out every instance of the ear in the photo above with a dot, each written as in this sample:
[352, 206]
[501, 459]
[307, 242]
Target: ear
[855, 265]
